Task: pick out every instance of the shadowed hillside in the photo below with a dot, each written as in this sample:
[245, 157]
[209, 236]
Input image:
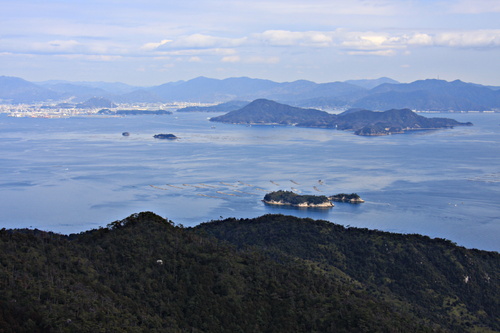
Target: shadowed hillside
[433, 278]
[271, 274]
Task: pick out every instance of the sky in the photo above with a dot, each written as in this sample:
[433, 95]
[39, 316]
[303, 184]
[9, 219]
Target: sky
[150, 42]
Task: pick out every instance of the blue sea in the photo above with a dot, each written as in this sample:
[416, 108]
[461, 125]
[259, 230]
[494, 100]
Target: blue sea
[74, 174]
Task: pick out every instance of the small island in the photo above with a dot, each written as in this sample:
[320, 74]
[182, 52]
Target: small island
[350, 198]
[293, 199]
[165, 136]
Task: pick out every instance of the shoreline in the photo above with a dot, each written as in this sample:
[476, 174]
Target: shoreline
[301, 205]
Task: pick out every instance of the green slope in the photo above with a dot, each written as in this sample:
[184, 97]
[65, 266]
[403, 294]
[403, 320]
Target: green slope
[433, 278]
[144, 274]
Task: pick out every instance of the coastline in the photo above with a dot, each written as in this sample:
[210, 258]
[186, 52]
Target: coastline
[327, 204]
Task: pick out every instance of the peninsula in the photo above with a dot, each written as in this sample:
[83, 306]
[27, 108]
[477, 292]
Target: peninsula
[359, 121]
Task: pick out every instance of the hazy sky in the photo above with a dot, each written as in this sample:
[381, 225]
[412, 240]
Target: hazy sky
[150, 42]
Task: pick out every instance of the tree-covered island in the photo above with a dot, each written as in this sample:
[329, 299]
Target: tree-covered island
[293, 199]
[350, 198]
[165, 136]
[360, 121]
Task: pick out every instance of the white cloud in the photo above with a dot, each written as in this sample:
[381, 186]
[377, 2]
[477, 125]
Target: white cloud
[69, 46]
[354, 43]
[194, 59]
[315, 39]
[453, 39]
[383, 53]
[251, 59]
[373, 43]
[240, 49]
[90, 57]
[198, 52]
[370, 41]
[298, 38]
[200, 41]
[154, 46]
[419, 39]
[233, 58]
[479, 38]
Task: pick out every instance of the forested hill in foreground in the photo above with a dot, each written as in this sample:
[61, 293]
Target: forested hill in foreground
[270, 274]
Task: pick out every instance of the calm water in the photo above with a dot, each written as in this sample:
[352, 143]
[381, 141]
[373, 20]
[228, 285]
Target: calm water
[71, 175]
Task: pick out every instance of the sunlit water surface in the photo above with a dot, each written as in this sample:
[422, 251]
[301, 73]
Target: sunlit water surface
[74, 174]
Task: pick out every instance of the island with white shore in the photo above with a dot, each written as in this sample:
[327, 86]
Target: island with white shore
[289, 198]
[349, 198]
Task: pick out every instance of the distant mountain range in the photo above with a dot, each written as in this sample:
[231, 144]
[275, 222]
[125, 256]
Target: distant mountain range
[362, 122]
[377, 94]
[431, 95]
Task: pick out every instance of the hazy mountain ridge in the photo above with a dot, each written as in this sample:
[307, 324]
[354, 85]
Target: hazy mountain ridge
[273, 273]
[371, 83]
[223, 107]
[431, 95]
[75, 92]
[21, 91]
[378, 94]
[114, 88]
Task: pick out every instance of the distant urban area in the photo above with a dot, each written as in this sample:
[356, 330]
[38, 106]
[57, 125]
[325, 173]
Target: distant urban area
[51, 110]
